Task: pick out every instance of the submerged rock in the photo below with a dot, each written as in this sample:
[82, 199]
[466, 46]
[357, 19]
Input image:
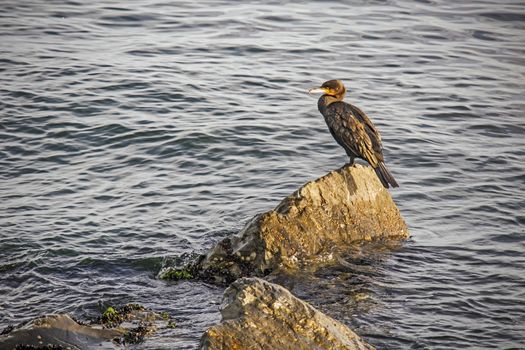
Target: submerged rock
[260, 315]
[128, 324]
[59, 332]
[311, 226]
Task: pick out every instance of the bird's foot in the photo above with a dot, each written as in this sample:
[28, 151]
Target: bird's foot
[350, 163]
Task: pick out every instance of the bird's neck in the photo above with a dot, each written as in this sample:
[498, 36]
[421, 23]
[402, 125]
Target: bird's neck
[327, 100]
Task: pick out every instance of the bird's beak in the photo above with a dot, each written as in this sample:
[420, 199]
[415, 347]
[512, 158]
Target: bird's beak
[317, 90]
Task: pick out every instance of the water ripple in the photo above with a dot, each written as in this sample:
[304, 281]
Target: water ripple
[130, 133]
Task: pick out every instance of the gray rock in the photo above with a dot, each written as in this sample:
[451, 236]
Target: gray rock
[59, 331]
[129, 324]
[259, 315]
[311, 226]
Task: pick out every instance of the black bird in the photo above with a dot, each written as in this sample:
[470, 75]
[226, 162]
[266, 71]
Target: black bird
[352, 129]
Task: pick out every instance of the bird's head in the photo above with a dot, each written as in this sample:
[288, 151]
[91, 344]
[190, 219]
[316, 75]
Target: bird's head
[330, 87]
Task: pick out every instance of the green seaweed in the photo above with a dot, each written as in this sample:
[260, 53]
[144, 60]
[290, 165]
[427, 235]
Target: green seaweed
[111, 318]
[169, 322]
[131, 307]
[134, 335]
[175, 274]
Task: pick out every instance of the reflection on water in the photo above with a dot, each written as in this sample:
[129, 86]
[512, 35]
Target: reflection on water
[131, 132]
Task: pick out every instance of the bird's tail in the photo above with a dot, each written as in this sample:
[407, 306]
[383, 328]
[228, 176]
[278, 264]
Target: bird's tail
[385, 175]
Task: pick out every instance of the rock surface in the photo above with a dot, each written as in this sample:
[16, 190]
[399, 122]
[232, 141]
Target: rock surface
[259, 315]
[115, 329]
[311, 226]
[59, 331]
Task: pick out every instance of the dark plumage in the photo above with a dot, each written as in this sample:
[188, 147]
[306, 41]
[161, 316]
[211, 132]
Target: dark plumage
[352, 129]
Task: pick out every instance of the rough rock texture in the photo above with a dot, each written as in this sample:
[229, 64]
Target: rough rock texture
[324, 217]
[259, 315]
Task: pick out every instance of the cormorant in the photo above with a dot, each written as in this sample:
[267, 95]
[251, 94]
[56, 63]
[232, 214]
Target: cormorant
[352, 129]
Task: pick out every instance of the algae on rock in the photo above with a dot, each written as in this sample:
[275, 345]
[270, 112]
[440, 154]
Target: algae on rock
[129, 324]
[60, 331]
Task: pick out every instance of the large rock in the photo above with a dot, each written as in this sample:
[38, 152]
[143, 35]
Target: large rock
[259, 315]
[311, 226]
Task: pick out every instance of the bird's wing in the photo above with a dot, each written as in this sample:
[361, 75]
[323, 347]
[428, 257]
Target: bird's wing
[371, 130]
[350, 131]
